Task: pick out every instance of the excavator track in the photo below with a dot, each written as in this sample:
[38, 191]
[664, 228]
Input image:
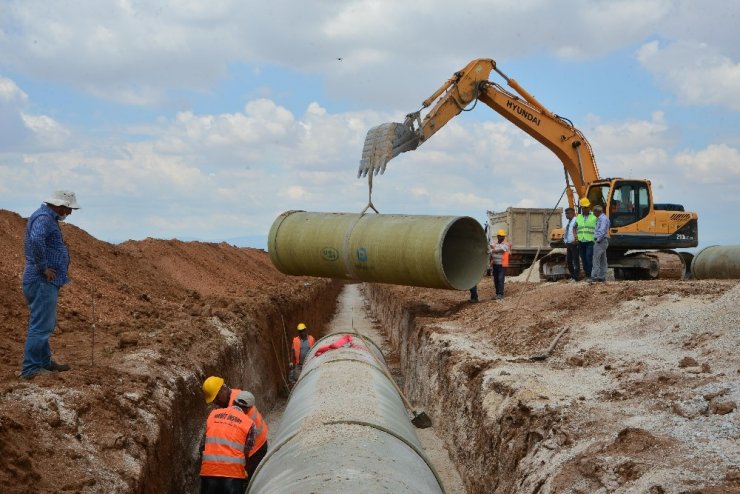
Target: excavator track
[650, 265]
[670, 264]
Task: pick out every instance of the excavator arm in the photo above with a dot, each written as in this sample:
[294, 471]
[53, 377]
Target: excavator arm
[471, 85]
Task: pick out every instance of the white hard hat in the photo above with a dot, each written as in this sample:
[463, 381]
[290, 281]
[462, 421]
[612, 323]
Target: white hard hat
[245, 399]
[63, 198]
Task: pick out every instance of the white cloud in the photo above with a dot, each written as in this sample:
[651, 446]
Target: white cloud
[135, 52]
[716, 164]
[20, 130]
[697, 73]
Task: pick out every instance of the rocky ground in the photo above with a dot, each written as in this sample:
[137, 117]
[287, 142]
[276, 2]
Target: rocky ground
[639, 392]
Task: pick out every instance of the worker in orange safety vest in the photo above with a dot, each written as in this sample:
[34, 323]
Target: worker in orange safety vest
[301, 345]
[500, 250]
[230, 436]
[218, 393]
[259, 449]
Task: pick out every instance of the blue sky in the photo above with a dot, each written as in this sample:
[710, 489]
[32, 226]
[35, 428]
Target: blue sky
[205, 120]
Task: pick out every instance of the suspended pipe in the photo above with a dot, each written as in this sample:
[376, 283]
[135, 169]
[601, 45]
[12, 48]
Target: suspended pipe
[717, 262]
[345, 429]
[429, 251]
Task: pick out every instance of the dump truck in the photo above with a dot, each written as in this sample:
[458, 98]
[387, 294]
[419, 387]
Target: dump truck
[528, 232]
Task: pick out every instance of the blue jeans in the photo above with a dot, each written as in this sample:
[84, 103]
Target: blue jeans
[42, 302]
[499, 276]
[587, 254]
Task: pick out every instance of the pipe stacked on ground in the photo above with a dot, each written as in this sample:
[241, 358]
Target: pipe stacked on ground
[345, 429]
[717, 262]
[428, 251]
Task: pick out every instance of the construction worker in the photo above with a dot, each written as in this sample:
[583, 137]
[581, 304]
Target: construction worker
[585, 227]
[44, 274]
[500, 251]
[571, 245]
[218, 393]
[230, 435]
[259, 449]
[301, 345]
[601, 243]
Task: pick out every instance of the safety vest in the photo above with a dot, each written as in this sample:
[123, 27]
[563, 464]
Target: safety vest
[260, 429]
[586, 227]
[297, 348]
[226, 436]
[233, 395]
[501, 258]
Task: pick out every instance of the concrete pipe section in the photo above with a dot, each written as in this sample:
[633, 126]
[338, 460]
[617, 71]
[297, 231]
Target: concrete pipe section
[428, 251]
[717, 262]
[345, 429]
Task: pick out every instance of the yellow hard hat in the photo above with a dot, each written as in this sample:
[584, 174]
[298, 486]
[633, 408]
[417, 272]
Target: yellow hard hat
[501, 233]
[301, 327]
[211, 387]
[584, 203]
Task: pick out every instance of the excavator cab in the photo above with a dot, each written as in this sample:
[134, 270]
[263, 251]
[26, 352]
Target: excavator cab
[624, 201]
[637, 222]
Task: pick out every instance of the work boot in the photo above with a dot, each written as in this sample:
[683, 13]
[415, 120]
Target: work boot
[54, 367]
[31, 375]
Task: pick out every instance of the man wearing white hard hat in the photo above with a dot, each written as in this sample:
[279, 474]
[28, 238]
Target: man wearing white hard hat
[47, 261]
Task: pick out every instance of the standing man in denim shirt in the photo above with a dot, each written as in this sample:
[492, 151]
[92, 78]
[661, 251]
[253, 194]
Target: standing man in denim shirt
[601, 243]
[47, 261]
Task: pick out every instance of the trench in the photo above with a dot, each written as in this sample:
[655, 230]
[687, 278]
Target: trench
[491, 435]
[491, 449]
[353, 314]
[254, 358]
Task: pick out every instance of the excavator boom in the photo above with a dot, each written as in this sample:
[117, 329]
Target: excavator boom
[469, 85]
[637, 222]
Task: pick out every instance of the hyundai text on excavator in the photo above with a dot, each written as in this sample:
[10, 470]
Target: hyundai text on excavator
[637, 223]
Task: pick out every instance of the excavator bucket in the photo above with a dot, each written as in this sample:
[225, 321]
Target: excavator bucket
[383, 143]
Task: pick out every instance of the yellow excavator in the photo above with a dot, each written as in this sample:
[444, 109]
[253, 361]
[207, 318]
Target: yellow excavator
[637, 223]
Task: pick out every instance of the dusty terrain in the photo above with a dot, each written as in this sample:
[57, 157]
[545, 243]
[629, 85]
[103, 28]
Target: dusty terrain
[167, 314]
[640, 393]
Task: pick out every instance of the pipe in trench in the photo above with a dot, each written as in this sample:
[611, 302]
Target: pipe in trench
[345, 429]
[428, 251]
[717, 262]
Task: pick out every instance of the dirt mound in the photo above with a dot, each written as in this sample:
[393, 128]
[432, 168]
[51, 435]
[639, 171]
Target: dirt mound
[164, 310]
[640, 393]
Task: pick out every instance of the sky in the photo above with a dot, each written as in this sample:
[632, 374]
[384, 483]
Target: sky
[206, 120]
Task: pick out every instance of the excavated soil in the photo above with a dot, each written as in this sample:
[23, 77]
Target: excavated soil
[639, 393]
[634, 387]
[167, 314]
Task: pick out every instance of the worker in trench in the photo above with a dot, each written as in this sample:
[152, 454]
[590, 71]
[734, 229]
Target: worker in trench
[301, 346]
[217, 392]
[230, 436]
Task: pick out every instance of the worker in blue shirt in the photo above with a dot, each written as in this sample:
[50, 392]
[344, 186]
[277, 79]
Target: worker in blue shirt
[571, 245]
[601, 242]
[47, 261]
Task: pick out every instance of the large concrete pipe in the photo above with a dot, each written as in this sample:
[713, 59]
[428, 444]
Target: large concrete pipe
[429, 251]
[345, 429]
[717, 262]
